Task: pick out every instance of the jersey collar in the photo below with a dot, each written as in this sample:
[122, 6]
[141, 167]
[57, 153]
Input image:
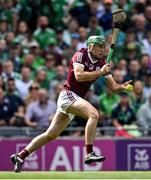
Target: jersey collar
[92, 59]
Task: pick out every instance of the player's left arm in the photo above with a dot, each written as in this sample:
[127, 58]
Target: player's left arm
[114, 86]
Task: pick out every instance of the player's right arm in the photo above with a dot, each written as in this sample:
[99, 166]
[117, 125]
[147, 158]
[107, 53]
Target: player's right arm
[82, 75]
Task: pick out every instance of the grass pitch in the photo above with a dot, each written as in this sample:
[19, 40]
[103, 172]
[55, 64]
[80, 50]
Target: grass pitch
[53, 175]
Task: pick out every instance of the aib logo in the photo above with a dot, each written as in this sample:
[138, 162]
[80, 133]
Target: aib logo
[142, 159]
[139, 157]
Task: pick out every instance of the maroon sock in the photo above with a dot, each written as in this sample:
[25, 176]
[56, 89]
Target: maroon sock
[89, 148]
[23, 154]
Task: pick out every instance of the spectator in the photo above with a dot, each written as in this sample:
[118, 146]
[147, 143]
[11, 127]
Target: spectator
[33, 94]
[61, 44]
[3, 26]
[140, 23]
[118, 76]
[11, 12]
[8, 71]
[144, 63]
[57, 90]
[105, 20]
[11, 95]
[37, 53]
[147, 84]
[10, 36]
[4, 52]
[137, 98]
[108, 100]
[147, 43]
[123, 115]
[18, 118]
[122, 66]
[53, 9]
[139, 7]
[133, 73]
[60, 78]
[148, 14]
[144, 116]
[94, 28]
[41, 79]
[23, 84]
[130, 36]
[28, 61]
[130, 49]
[80, 11]
[99, 86]
[108, 39]
[96, 8]
[39, 113]
[83, 36]
[73, 47]
[15, 56]
[28, 12]
[34, 47]
[43, 32]
[23, 33]
[5, 110]
[72, 27]
[16, 43]
[53, 49]
[50, 66]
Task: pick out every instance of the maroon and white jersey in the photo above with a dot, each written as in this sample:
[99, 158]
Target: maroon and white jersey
[82, 56]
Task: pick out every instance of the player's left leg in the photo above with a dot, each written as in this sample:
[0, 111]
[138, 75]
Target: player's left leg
[84, 109]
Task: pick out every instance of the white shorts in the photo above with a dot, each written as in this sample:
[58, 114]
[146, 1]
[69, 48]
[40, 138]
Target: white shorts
[65, 99]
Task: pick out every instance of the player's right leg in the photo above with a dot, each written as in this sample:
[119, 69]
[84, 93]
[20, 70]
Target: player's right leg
[58, 124]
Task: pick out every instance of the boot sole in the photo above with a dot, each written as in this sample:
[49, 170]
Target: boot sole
[89, 161]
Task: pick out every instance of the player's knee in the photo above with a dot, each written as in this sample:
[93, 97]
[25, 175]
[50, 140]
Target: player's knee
[95, 115]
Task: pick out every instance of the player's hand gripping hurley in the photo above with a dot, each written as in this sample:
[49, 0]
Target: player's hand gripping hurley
[119, 17]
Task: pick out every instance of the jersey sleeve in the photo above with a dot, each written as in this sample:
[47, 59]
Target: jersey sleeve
[78, 59]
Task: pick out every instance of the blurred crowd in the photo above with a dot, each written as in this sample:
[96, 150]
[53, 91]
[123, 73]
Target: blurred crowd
[38, 39]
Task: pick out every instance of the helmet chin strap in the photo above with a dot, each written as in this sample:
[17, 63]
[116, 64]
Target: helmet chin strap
[92, 54]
